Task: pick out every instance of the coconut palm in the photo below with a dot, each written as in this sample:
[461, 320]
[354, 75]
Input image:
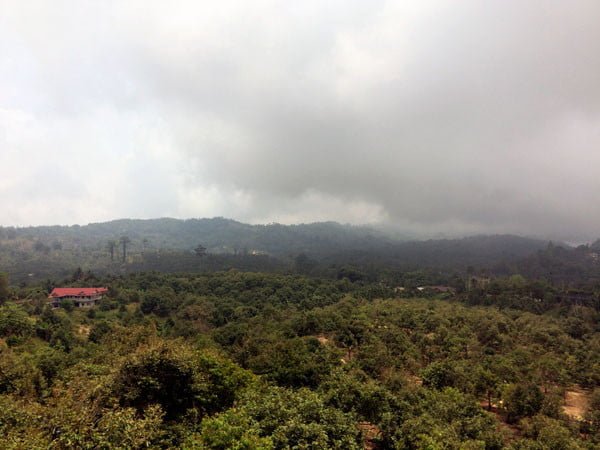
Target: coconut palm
[124, 240]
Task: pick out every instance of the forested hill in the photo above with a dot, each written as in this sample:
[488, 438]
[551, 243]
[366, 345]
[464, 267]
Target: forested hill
[560, 264]
[489, 252]
[218, 235]
[167, 245]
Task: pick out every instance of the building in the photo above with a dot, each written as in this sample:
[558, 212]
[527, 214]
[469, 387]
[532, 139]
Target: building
[81, 297]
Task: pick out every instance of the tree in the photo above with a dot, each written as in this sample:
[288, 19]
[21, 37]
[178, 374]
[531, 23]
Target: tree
[14, 321]
[158, 301]
[158, 376]
[230, 430]
[284, 418]
[4, 292]
[442, 419]
[522, 400]
[543, 432]
[200, 250]
[178, 379]
[98, 331]
[550, 371]
[67, 305]
[440, 374]
[293, 362]
[304, 264]
[77, 275]
[110, 246]
[486, 383]
[592, 416]
[124, 240]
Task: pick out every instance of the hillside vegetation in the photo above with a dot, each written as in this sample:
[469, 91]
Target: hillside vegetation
[168, 245]
[266, 361]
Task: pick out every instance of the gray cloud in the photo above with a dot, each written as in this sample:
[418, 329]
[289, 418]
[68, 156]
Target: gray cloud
[437, 116]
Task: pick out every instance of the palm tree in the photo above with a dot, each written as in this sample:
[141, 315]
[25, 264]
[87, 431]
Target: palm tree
[124, 240]
[110, 246]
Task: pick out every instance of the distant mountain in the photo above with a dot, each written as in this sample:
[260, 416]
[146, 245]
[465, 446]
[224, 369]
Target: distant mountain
[457, 254]
[155, 245]
[218, 235]
[560, 264]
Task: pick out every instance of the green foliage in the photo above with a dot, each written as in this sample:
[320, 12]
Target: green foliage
[67, 305]
[4, 288]
[19, 376]
[98, 331]
[441, 374]
[522, 400]
[299, 419]
[51, 362]
[443, 419]
[262, 361]
[126, 429]
[294, 362]
[178, 380]
[592, 417]
[14, 321]
[542, 432]
[231, 430]
[354, 392]
[158, 301]
[20, 424]
[56, 328]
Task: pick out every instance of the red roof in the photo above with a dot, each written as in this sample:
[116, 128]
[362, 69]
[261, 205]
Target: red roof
[77, 292]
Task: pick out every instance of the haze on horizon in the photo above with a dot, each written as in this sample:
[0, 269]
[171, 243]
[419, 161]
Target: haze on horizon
[438, 117]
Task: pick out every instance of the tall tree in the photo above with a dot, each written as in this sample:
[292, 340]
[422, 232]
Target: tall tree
[110, 246]
[4, 292]
[124, 242]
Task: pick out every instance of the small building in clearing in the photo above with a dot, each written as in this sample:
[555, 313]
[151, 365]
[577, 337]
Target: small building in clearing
[81, 297]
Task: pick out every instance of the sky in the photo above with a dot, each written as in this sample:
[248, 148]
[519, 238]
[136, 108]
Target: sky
[447, 117]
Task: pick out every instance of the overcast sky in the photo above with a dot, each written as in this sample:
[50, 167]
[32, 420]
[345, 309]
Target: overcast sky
[452, 117]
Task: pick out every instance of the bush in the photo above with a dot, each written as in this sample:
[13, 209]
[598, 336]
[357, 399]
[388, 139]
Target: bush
[98, 331]
[522, 400]
[67, 305]
[159, 302]
[178, 379]
[14, 321]
[286, 419]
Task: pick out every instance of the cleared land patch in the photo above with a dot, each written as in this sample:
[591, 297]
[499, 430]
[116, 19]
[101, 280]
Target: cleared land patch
[576, 403]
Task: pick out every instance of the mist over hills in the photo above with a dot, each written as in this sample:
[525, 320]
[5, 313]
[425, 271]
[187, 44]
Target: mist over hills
[221, 235]
[218, 235]
[168, 245]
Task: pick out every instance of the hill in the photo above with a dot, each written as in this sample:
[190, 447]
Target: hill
[218, 235]
[168, 245]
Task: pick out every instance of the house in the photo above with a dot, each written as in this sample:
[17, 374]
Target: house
[81, 297]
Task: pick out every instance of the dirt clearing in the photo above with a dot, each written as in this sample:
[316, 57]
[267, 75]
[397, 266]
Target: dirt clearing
[576, 403]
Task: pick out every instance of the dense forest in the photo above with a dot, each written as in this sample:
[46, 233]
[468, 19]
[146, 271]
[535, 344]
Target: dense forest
[233, 360]
[220, 335]
[32, 254]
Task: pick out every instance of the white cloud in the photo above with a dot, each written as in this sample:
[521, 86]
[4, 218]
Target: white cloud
[436, 115]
